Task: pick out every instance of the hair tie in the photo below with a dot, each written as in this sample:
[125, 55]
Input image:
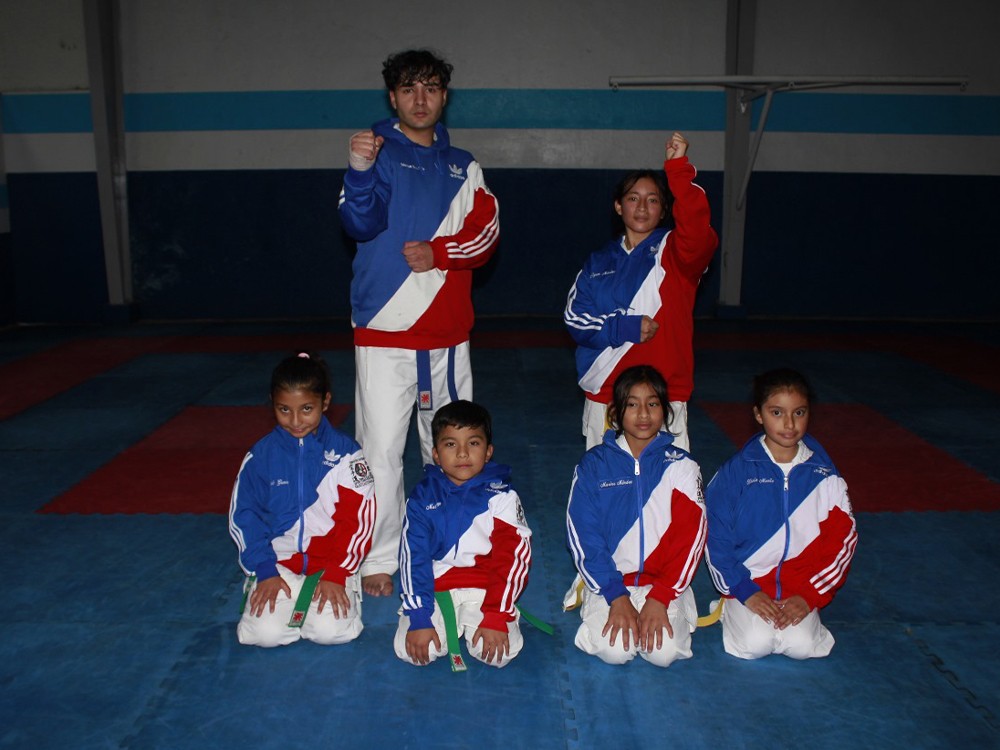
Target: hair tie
[304, 355]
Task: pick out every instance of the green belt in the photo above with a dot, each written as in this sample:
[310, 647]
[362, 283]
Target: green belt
[537, 622]
[301, 603]
[447, 607]
[305, 597]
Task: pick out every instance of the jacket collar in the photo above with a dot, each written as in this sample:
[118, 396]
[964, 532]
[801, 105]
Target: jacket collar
[492, 472]
[285, 438]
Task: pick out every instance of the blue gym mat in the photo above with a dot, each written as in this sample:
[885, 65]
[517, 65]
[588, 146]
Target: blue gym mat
[119, 629]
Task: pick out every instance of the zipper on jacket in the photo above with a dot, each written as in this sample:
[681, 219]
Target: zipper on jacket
[302, 520]
[642, 531]
[788, 539]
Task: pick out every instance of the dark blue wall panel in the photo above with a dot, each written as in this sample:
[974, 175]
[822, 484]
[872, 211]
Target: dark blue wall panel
[840, 245]
[268, 244]
[7, 308]
[58, 259]
[247, 244]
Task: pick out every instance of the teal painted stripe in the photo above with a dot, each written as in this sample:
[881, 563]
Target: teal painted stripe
[46, 113]
[254, 110]
[501, 108]
[514, 109]
[899, 114]
[586, 109]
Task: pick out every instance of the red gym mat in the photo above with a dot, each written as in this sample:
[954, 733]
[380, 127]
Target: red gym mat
[41, 376]
[887, 467]
[187, 466]
[973, 361]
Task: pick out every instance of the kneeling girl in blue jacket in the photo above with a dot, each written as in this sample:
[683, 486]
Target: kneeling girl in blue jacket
[302, 514]
[781, 533]
[636, 530]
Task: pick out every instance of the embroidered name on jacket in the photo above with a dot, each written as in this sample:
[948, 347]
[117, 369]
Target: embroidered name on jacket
[607, 485]
[761, 480]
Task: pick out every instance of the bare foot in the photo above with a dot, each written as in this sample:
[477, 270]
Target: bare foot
[377, 584]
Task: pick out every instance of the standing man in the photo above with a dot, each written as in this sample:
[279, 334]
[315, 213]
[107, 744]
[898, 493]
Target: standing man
[423, 219]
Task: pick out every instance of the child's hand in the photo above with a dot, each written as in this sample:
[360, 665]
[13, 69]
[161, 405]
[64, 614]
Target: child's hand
[495, 644]
[764, 607]
[266, 593]
[647, 329]
[652, 622]
[792, 611]
[418, 644]
[623, 618]
[335, 594]
[677, 146]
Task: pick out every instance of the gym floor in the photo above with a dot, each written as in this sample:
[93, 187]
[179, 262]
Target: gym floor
[119, 445]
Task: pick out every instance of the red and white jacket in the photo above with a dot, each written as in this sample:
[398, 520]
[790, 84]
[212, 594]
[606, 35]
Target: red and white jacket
[658, 278]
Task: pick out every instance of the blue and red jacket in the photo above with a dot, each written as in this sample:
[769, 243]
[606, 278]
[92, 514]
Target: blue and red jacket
[658, 278]
[636, 522]
[785, 536]
[307, 504]
[432, 194]
[464, 536]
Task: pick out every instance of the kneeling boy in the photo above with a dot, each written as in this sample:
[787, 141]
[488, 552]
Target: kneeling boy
[464, 534]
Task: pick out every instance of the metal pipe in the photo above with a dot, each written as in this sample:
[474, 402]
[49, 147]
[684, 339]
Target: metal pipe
[788, 81]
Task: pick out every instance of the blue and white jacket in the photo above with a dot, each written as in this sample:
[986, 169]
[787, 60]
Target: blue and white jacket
[307, 504]
[432, 194]
[472, 535]
[784, 536]
[636, 522]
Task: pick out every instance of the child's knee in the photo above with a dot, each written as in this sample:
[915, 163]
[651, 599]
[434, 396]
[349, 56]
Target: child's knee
[265, 631]
[593, 643]
[678, 647]
[329, 631]
[807, 642]
[616, 655]
[753, 643]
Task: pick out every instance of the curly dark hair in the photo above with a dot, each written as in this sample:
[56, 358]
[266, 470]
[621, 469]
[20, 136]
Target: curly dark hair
[413, 66]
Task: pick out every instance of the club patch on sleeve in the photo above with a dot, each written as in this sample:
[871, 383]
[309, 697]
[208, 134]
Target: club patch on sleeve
[360, 473]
